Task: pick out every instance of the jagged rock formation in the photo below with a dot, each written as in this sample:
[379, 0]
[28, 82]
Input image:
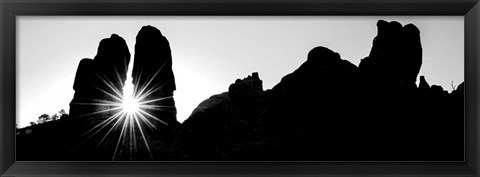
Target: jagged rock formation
[396, 54]
[225, 123]
[245, 90]
[65, 139]
[423, 86]
[154, 80]
[330, 109]
[106, 73]
[327, 109]
[98, 84]
[84, 90]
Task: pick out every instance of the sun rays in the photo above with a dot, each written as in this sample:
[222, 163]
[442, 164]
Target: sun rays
[130, 105]
[126, 117]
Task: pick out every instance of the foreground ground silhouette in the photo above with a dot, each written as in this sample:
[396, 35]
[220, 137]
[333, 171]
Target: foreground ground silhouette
[328, 109]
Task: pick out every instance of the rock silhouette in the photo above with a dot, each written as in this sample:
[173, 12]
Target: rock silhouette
[98, 84]
[396, 54]
[423, 86]
[105, 82]
[65, 139]
[153, 78]
[224, 123]
[328, 109]
[105, 73]
[84, 91]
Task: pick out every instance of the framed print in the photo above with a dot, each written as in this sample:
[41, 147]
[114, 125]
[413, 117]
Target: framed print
[239, 88]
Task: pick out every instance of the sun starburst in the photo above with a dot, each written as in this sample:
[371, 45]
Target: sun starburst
[128, 113]
[130, 105]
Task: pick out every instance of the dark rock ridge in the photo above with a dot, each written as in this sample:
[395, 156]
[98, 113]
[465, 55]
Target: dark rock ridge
[326, 110]
[246, 89]
[222, 124]
[329, 109]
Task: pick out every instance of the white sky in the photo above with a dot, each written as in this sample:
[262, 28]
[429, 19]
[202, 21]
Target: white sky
[209, 53]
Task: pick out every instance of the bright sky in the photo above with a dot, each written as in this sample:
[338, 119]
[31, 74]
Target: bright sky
[209, 53]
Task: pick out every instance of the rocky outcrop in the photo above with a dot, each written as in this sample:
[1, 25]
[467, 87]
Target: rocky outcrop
[226, 124]
[310, 107]
[329, 109]
[423, 85]
[112, 61]
[106, 73]
[84, 90]
[65, 139]
[154, 80]
[98, 86]
[245, 89]
[396, 54]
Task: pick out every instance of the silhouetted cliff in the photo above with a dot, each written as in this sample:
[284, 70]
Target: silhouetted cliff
[94, 78]
[224, 124]
[65, 139]
[154, 80]
[396, 55]
[98, 128]
[328, 109]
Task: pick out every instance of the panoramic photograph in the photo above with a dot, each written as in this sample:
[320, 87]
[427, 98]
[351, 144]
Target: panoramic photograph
[233, 88]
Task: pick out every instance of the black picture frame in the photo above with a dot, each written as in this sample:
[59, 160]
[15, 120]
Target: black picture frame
[9, 9]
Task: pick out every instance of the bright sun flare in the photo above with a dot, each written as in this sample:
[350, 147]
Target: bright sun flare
[130, 105]
[131, 113]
